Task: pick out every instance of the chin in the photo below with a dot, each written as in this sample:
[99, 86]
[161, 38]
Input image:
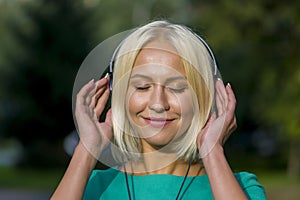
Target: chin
[158, 142]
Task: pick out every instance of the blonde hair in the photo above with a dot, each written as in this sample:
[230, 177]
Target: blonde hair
[198, 66]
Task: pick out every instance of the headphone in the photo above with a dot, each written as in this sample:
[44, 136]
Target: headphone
[109, 70]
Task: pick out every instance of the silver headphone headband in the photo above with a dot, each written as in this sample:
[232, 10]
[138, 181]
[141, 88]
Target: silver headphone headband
[210, 52]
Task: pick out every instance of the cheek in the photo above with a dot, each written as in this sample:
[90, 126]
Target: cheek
[185, 107]
[135, 103]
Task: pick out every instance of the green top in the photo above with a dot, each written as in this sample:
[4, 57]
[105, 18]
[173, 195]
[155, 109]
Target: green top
[111, 184]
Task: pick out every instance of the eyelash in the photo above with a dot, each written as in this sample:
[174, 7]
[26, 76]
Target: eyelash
[180, 90]
[174, 90]
[142, 87]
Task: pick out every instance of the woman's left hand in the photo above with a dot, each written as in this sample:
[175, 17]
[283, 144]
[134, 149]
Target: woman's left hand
[221, 124]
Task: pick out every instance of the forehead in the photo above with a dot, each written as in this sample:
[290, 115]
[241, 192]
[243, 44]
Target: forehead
[159, 54]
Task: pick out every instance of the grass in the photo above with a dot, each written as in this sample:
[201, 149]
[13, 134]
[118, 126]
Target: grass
[29, 179]
[278, 186]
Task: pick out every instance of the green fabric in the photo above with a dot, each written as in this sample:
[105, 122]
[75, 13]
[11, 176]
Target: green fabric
[111, 184]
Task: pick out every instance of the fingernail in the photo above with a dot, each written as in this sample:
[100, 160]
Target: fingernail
[219, 79]
[92, 80]
[106, 75]
[228, 84]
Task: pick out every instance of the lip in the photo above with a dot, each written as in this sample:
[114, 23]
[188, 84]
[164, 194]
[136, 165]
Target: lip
[157, 122]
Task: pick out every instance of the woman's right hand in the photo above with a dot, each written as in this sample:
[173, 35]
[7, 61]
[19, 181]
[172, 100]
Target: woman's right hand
[90, 103]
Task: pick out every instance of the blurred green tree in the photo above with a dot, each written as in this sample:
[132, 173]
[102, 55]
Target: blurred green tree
[53, 42]
[277, 97]
[257, 46]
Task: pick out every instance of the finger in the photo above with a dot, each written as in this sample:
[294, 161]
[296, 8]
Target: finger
[219, 104]
[222, 92]
[220, 100]
[108, 118]
[102, 82]
[229, 109]
[231, 128]
[231, 100]
[101, 102]
[85, 91]
[101, 86]
[230, 112]
[233, 124]
[100, 92]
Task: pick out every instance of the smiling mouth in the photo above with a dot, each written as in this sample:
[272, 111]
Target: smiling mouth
[158, 122]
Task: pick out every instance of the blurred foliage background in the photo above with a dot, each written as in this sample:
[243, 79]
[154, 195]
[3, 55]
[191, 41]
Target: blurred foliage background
[256, 43]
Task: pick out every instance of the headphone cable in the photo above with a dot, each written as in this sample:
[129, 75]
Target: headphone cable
[179, 191]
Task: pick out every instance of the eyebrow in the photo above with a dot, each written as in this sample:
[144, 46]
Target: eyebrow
[140, 76]
[174, 78]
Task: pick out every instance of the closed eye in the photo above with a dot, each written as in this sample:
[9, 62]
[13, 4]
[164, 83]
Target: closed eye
[177, 90]
[144, 87]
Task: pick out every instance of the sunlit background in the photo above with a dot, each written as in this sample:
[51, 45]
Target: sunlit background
[43, 43]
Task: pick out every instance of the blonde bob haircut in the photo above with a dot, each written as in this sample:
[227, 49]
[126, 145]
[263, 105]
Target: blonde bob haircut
[198, 65]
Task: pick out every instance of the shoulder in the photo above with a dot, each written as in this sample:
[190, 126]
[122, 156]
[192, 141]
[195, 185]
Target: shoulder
[250, 185]
[104, 173]
[103, 176]
[99, 181]
[246, 179]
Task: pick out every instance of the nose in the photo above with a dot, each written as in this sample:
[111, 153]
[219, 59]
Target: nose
[159, 100]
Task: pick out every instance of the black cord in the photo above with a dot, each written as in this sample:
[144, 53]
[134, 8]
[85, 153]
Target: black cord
[187, 172]
[178, 194]
[127, 184]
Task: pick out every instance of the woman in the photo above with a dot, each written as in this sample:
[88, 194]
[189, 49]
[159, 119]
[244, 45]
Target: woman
[169, 118]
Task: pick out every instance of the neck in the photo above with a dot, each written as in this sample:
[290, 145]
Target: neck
[154, 161]
[163, 163]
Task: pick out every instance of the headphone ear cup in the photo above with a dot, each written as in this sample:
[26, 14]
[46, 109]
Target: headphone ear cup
[108, 104]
